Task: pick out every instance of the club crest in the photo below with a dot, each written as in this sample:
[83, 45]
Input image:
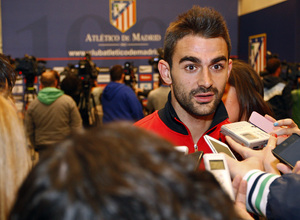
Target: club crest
[258, 52]
[122, 14]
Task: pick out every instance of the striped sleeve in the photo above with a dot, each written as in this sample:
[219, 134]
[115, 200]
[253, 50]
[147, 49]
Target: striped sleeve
[258, 184]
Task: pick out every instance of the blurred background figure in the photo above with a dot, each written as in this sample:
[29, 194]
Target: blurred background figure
[119, 171]
[80, 82]
[52, 116]
[71, 85]
[119, 102]
[158, 97]
[277, 92]
[244, 93]
[15, 161]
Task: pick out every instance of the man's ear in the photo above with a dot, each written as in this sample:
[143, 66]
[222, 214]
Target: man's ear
[165, 72]
[229, 68]
[56, 83]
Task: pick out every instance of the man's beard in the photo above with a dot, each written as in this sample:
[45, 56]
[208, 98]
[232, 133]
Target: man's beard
[197, 109]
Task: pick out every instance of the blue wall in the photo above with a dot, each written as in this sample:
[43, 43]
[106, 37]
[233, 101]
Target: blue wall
[281, 24]
[50, 29]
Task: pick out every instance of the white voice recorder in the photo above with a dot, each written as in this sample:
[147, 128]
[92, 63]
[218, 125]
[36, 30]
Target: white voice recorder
[217, 146]
[183, 149]
[246, 134]
[217, 165]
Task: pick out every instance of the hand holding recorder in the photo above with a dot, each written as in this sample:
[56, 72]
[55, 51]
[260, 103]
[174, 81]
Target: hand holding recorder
[285, 128]
[253, 134]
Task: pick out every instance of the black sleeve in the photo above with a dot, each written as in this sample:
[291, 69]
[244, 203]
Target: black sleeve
[284, 198]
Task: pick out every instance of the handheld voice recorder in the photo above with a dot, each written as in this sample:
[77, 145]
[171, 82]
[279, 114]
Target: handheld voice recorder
[246, 134]
[183, 149]
[217, 165]
[217, 146]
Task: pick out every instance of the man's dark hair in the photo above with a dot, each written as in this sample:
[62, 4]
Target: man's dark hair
[7, 74]
[71, 85]
[116, 73]
[119, 171]
[204, 22]
[272, 65]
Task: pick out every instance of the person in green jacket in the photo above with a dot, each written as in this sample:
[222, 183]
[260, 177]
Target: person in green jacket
[51, 116]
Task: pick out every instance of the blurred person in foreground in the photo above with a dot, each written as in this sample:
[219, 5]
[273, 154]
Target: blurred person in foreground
[15, 161]
[119, 171]
[8, 76]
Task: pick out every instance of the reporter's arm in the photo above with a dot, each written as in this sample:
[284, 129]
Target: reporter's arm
[258, 184]
[273, 196]
[283, 200]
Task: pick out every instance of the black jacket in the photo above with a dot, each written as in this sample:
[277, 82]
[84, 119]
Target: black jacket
[277, 93]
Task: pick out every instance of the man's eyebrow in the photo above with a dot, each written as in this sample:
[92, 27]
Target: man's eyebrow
[218, 59]
[189, 58]
[196, 60]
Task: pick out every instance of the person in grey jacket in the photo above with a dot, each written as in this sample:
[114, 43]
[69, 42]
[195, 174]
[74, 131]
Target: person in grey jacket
[52, 116]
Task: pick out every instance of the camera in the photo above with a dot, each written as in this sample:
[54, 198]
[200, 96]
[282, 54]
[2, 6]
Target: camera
[30, 67]
[87, 69]
[129, 79]
[154, 60]
[87, 72]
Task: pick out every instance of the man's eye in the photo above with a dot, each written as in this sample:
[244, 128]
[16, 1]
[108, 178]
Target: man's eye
[190, 67]
[217, 66]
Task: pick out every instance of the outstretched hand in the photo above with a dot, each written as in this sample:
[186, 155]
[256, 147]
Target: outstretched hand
[240, 168]
[286, 169]
[253, 159]
[286, 127]
[240, 190]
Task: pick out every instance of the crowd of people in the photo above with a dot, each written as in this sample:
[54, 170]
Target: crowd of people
[127, 167]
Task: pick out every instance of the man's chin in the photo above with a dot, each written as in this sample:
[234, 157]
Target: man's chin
[206, 109]
[204, 112]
